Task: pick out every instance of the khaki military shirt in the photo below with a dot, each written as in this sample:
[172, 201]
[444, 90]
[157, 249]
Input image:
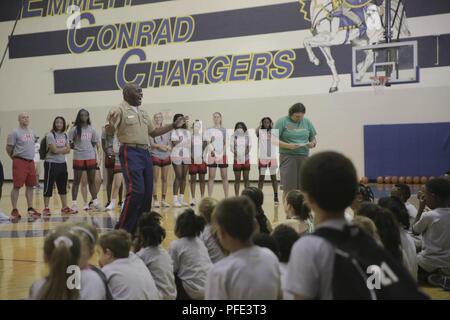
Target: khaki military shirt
[133, 127]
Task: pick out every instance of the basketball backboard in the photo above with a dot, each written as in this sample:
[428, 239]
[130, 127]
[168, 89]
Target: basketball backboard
[396, 60]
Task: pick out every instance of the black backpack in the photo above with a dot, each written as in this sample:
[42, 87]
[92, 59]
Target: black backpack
[43, 149]
[363, 270]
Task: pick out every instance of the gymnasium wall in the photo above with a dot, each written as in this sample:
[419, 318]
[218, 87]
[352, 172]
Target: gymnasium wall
[41, 75]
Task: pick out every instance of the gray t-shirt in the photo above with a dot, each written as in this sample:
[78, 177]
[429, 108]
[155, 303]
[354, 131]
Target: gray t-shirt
[434, 226]
[191, 263]
[129, 279]
[84, 147]
[251, 273]
[23, 142]
[310, 267]
[109, 142]
[59, 140]
[160, 265]
[163, 140]
[214, 250]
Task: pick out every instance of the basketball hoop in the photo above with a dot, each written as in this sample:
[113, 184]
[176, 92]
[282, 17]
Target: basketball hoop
[379, 83]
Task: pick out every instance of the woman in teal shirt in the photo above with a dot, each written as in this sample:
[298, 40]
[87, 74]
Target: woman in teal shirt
[297, 135]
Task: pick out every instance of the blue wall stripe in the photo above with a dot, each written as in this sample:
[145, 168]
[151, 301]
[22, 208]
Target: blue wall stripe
[9, 8]
[217, 25]
[103, 78]
[414, 8]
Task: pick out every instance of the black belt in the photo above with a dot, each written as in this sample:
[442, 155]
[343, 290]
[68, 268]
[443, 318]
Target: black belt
[28, 160]
[140, 146]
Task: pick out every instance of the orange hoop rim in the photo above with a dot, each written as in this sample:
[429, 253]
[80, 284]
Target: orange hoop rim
[379, 80]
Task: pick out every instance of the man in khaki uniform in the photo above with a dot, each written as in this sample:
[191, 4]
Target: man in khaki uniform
[133, 127]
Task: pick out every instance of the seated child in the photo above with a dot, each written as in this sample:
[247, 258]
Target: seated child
[249, 272]
[155, 257]
[257, 197]
[127, 275]
[191, 262]
[298, 213]
[285, 237]
[434, 227]
[209, 235]
[403, 192]
[61, 250]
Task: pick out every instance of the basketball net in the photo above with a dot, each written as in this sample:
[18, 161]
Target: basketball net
[379, 83]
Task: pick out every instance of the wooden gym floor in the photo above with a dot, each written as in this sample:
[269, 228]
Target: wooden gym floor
[21, 260]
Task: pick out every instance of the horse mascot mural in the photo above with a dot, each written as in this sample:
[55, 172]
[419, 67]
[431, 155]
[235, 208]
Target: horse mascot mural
[355, 22]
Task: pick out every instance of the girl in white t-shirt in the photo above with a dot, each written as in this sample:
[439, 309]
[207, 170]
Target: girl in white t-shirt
[268, 155]
[240, 145]
[155, 257]
[181, 158]
[191, 262]
[249, 272]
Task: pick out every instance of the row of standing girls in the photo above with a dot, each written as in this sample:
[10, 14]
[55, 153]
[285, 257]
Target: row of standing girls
[206, 156]
[86, 144]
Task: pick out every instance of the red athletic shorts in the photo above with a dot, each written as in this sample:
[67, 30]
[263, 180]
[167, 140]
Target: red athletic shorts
[109, 162]
[197, 168]
[24, 172]
[85, 165]
[216, 163]
[267, 163]
[160, 162]
[241, 166]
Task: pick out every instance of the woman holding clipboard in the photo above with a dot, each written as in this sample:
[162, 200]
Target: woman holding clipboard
[296, 135]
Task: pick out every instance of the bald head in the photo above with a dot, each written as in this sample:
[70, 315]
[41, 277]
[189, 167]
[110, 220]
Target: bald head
[132, 93]
[24, 119]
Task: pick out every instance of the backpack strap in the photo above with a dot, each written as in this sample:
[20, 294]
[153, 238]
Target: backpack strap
[105, 281]
[337, 237]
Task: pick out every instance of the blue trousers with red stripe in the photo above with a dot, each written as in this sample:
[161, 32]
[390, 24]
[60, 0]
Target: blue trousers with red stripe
[137, 170]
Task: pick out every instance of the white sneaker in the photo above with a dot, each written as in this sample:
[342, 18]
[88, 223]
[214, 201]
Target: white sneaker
[156, 204]
[3, 216]
[86, 207]
[176, 204]
[95, 207]
[74, 208]
[165, 204]
[110, 207]
[192, 204]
